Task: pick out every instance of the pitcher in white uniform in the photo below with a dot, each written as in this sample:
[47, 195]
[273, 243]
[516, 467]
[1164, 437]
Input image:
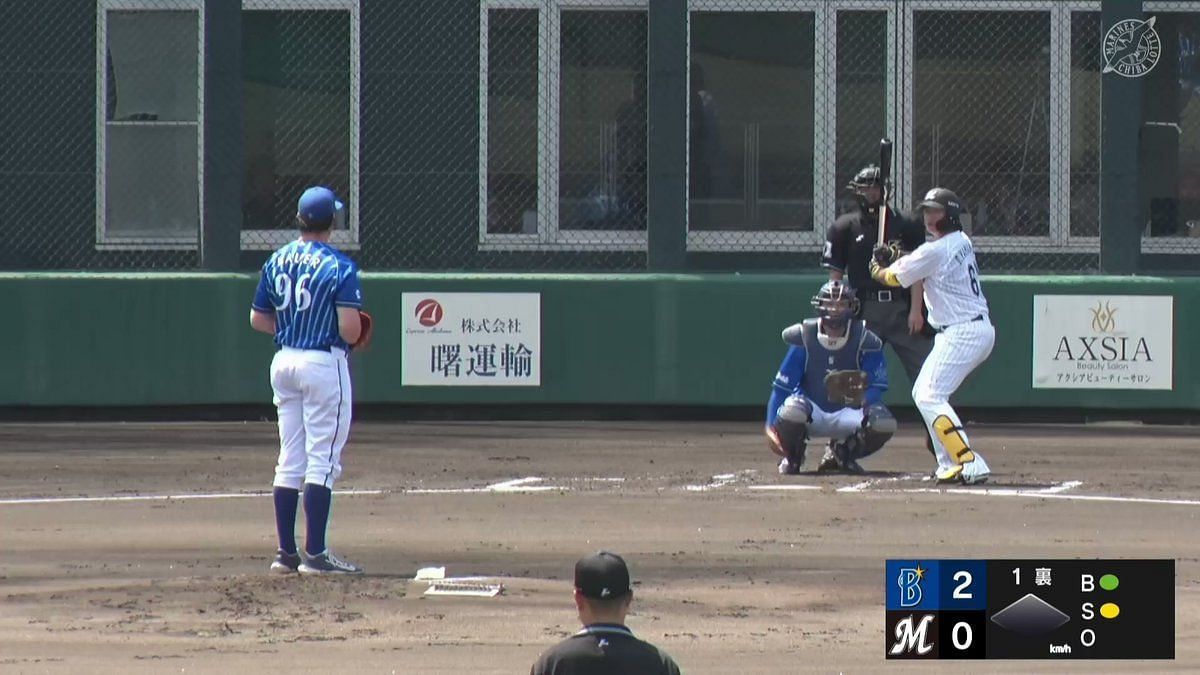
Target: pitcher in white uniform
[958, 311]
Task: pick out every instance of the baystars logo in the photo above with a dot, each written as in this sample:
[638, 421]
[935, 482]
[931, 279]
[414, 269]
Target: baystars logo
[909, 581]
[1131, 48]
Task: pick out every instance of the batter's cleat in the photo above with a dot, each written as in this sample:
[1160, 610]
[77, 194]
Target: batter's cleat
[326, 563]
[951, 475]
[285, 563]
[788, 468]
[956, 475]
[976, 472]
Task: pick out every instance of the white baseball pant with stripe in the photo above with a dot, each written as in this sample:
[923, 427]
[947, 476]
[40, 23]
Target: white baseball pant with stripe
[957, 350]
[313, 395]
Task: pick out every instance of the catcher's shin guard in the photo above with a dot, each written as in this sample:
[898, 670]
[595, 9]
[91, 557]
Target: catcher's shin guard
[953, 440]
[792, 427]
[877, 429]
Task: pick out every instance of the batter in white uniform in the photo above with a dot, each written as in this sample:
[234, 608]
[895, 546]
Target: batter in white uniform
[959, 312]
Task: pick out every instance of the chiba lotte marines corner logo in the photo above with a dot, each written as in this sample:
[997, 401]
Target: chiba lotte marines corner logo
[1131, 48]
[429, 312]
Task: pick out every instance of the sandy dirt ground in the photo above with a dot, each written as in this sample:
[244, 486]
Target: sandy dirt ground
[732, 574]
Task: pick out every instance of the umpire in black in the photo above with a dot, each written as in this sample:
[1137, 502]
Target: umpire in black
[605, 646]
[895, 315]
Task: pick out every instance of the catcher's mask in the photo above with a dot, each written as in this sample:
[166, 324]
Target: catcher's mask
[836, 304]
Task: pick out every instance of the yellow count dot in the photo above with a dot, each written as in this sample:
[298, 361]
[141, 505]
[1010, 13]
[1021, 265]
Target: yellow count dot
[1109, 610]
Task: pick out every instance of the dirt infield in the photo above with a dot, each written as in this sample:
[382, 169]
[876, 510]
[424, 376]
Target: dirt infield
[734, 573]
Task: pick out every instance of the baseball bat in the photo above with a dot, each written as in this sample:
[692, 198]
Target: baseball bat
[885, 172]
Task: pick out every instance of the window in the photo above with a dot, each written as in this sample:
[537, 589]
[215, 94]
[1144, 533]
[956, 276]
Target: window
[149, 123]
[751, 118]
[863, 109]
[1087, 58]
[562, 116]
[511, 191]
[300, 60]
[301, 118]
[602, 121]
[981, 116]
[1169, 162]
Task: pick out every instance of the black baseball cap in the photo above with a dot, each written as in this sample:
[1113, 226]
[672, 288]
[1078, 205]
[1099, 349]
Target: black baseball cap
[602, 576]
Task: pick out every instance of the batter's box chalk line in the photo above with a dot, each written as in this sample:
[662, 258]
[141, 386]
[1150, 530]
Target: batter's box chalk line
[721, 480]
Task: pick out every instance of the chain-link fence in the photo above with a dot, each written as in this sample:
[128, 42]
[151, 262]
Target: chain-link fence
[514, 135]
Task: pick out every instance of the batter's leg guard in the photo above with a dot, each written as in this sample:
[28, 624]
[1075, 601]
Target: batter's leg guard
[953, 439]
[792, 427]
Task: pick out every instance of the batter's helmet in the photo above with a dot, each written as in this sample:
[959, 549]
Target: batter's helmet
[941, 198]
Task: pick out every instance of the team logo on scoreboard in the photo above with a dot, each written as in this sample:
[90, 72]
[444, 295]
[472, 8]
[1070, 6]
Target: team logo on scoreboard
[1131, 48]
[909, 579]
[911, 636]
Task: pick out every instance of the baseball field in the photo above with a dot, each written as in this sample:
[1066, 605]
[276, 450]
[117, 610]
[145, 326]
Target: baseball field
[143, 548]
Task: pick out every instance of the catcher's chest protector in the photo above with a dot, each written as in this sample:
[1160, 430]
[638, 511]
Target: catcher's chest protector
[819, 361]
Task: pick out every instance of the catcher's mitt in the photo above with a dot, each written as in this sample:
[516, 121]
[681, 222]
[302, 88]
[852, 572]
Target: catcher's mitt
[846, 387]
[364, 338]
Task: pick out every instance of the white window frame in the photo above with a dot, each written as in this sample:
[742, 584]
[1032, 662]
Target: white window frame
[250, 239]
[548, 236]
[347, 238]
[1170, 245]
[105, 242]
[824, 130]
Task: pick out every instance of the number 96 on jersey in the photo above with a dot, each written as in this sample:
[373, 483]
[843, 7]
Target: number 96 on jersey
[936, 609]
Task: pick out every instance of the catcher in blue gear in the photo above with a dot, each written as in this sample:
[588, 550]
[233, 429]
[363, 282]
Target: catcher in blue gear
[830, 384]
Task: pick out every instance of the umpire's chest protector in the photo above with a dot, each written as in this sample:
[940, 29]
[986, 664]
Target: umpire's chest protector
[820, 361]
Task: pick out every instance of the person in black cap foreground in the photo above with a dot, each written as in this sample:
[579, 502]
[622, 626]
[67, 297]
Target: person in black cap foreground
[604, 646]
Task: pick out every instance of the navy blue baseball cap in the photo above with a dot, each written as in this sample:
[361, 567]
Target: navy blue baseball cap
[318, 204]
[602, 575]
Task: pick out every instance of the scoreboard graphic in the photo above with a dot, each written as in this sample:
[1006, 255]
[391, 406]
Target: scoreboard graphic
[1030, 609]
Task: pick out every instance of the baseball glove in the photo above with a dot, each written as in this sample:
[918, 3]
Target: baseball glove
[846, 386]
[364, 338]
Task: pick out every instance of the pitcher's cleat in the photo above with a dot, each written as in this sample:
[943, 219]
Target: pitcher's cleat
[285, 563]
[326, 563]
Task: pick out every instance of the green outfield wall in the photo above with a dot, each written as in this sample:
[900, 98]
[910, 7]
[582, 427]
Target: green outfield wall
[184, 339]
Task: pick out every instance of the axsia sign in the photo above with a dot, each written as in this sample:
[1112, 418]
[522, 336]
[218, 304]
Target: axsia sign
[472, 339]
[1103, 341]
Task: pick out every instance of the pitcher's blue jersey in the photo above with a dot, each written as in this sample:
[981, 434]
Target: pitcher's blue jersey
[806, 364]
[303, 284]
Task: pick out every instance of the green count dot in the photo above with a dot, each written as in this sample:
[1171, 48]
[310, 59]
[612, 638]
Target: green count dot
[1109, 582]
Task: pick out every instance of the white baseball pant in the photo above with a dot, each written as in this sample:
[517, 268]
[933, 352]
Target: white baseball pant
[313, 395]
[957, 350]
[838, 425]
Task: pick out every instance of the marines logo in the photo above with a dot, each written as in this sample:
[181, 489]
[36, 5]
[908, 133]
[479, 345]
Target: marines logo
[1131, 48]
